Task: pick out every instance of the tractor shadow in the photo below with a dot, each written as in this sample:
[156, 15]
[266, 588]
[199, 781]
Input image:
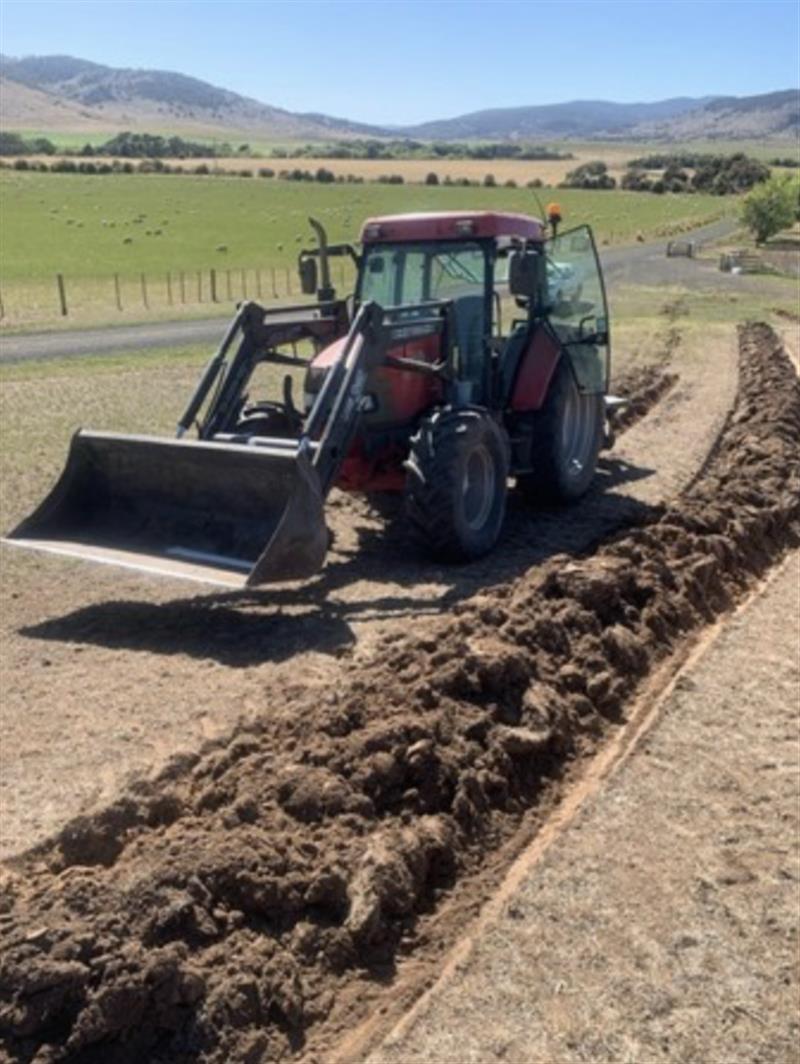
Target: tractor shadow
[376, 575]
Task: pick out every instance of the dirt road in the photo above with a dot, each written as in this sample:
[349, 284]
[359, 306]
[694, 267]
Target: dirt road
[663, 925]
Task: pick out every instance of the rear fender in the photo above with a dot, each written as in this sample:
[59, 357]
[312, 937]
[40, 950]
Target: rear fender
[536, 370]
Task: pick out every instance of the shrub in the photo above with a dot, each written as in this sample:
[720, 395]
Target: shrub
[636, 181]
[593, 175]
[489, 181]
[432, 179]
[12, 144]
[769, 208]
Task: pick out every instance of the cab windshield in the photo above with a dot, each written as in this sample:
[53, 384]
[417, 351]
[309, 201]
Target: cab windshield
[397, 274]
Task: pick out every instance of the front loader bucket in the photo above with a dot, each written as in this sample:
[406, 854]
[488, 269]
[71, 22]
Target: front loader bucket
[228, 513]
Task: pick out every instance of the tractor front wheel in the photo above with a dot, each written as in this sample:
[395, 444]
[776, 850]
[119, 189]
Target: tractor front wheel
[456, 483]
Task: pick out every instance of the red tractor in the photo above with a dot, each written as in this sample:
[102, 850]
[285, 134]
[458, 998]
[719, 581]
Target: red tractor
[473, 350]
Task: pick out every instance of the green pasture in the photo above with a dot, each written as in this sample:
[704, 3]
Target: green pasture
[93, 226]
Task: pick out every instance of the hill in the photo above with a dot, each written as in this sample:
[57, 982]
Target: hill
[23, 107]
[578, 118]
[155, 99]
[61, 93]
[772, 114]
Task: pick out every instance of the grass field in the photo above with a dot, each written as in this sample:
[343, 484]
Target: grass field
[85, 225]
[90, 228]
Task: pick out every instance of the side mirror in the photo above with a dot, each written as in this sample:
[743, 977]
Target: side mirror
[307, 268]
[525, 274]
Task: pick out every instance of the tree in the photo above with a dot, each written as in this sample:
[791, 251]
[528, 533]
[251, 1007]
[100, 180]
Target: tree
[593, 174]
[769, 208]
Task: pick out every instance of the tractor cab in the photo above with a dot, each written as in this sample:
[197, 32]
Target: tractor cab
[500, 281]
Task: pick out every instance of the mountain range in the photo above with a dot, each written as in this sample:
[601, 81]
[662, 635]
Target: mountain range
[62, 93]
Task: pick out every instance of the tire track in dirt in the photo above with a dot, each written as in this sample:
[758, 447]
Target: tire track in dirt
[245, 905]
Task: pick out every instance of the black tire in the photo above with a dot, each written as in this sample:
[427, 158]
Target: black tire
[456, 484]
[566, 440]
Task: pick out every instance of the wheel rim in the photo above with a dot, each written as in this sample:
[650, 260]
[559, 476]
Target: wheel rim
[478, 487]
[577, 430]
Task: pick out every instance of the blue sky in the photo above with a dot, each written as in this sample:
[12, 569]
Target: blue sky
[403, 61]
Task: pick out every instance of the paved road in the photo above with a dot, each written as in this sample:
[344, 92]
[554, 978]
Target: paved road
[639, 263]
[648, 263]
[111, 339]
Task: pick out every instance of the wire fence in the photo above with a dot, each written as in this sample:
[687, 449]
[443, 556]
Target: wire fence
[64, 298]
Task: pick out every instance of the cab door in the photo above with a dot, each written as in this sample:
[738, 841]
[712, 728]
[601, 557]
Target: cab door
[577, 308]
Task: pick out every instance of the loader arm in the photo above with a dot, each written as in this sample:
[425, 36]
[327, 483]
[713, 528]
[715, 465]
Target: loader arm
[261, 333]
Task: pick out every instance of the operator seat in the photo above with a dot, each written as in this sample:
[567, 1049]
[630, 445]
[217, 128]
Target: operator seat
[468, 313]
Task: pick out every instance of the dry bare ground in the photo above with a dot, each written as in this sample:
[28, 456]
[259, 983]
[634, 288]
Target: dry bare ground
[134, 669]
[251, 902]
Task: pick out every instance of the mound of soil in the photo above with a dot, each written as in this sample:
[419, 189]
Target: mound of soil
[215, 913]
[642, 388]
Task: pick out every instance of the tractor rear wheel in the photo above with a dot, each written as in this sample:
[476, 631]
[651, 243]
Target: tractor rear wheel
[456, 484]
[566, 440]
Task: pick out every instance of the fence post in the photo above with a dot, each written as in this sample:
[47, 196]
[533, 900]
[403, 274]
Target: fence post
[274, 285]
[213, 278]
[258, 281]
[199, 286]
[169, 287]
[183, 287]
[117, 292]
[144, 291]
[228, 285]
[288, 283]
[62, 295]
[244, 283]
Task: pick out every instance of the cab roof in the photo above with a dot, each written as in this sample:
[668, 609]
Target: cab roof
[450, 225]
